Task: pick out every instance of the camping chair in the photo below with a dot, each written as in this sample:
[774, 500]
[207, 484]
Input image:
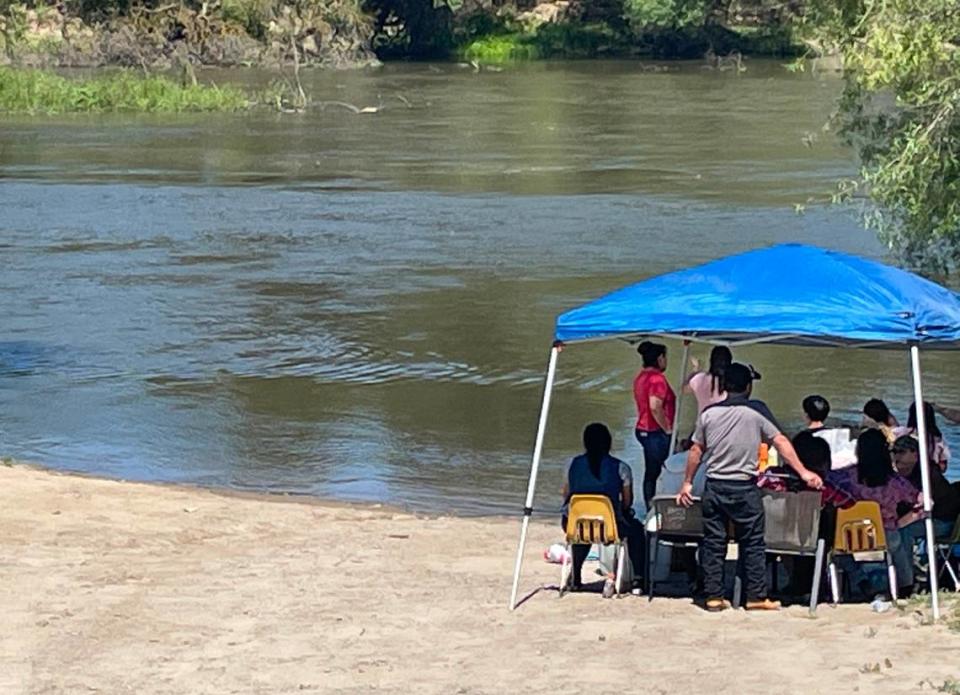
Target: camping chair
[860, 534]
[675, 527]
[945, 550]
[792, 527]
[591, 520]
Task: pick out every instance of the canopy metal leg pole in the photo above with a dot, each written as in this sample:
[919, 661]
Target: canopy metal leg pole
[925, 480]
[534, 468]
[683, 379]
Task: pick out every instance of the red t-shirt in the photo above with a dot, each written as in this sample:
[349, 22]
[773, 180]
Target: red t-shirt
[652, 382]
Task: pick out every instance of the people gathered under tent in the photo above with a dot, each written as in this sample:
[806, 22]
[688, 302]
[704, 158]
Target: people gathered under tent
[882, 465]
[656, 410]
[727, 440]
[596, 472]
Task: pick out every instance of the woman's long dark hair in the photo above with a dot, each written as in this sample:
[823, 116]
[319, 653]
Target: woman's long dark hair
[874, 465]
[877, 410]
[929, 418]
[596, 442]
[720, 359]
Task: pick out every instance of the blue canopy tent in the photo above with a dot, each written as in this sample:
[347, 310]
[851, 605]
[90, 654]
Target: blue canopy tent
[785, 295]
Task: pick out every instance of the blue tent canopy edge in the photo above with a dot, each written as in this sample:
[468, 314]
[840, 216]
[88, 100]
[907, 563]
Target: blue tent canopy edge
[791, 294]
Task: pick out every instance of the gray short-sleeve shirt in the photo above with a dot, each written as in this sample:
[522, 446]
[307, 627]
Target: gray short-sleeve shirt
[730, 433]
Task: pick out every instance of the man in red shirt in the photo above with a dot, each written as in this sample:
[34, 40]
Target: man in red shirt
[656, 409]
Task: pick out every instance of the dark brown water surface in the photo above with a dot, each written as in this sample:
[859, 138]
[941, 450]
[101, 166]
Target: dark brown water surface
[360, 306]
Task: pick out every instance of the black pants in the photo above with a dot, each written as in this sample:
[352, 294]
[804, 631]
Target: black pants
[656, 450]
[737, 502]
[630, 528]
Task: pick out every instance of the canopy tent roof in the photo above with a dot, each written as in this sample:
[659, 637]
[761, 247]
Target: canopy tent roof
[789, 294]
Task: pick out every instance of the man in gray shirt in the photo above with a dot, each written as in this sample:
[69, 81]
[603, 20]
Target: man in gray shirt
[727, 438]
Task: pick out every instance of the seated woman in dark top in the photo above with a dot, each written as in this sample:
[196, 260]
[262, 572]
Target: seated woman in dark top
[596, 472]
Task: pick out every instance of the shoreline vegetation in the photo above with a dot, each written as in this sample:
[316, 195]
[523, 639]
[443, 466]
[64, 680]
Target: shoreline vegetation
[117, 586]
[33, 91]
[158, 44]
[154, 35]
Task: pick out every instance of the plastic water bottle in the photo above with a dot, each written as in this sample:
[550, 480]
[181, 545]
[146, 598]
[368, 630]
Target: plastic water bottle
[773, 458]
[763, 457]
[556, 554]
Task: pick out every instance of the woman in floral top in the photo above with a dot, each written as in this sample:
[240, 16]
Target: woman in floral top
[874, 480]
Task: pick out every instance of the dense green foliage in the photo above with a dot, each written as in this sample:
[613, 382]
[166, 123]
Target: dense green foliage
[150, 32]
[901, 110]
[585, 28]
[36, 91]
[690, 28]
[659, 15]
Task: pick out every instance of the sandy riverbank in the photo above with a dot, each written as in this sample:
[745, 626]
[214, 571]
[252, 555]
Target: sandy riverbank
[118, 587]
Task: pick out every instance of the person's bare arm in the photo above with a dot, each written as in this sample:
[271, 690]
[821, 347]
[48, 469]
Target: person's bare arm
[627, 494]
[694, 370]
[694, 456]
[952, 414]
[787, 452]
[659, 414]
[565, 492]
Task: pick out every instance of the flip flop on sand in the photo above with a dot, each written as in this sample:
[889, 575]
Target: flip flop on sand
[715, 605]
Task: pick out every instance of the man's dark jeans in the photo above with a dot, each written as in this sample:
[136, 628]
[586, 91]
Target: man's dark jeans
[739, 502]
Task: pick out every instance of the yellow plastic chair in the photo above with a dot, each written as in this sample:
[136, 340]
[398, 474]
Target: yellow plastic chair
[860, 534]
[592, 521]
[945, 550]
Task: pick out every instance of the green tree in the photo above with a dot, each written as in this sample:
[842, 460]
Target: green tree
[900, 109]
[672, 15]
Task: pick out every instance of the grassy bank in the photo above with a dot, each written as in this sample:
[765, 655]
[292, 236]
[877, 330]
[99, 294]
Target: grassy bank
[593, 41]
[38, 91]
[547, 41]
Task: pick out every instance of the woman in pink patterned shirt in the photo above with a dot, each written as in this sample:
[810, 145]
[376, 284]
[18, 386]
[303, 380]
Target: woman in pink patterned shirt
[874, 480]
